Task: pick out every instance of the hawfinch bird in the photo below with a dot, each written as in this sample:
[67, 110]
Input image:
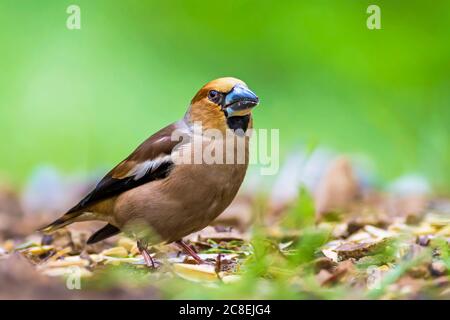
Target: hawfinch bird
[178, 180]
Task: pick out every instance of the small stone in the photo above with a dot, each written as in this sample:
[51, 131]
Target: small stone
[47, 239]
[438, 268]
[424, 240]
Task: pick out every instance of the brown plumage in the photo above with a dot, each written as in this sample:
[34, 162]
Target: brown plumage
[153, 196]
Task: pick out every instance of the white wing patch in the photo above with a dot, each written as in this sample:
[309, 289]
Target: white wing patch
[148, 166]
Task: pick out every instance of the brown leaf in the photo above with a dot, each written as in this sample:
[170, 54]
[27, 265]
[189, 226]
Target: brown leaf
[357, 250]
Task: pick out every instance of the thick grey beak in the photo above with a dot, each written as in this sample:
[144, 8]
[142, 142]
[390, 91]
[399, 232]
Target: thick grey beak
[240, 101]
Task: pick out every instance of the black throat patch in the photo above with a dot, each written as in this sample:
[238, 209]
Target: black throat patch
[238, 122]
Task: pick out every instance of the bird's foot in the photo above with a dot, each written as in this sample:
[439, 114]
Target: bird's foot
[142, 247]
[190, 251]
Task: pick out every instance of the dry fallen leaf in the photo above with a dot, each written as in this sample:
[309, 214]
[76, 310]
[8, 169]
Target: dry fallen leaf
[126, 243]
[195, 273]
[119, 252]
[357, 250]
[63, 272]
[70, 261]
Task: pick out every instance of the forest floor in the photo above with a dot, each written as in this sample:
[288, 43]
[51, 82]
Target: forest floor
[382, 246]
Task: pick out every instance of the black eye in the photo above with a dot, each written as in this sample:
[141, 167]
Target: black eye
[213, 95]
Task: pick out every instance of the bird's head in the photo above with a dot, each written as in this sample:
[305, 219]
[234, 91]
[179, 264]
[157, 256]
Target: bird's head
[221, 103]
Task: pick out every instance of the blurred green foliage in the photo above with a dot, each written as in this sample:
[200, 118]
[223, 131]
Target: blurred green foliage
[83, 98]
[302, 214]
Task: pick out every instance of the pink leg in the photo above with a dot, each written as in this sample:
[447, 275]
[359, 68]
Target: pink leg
[189, 251]
[147, 257]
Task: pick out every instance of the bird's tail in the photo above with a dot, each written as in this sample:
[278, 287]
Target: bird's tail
[65, 220]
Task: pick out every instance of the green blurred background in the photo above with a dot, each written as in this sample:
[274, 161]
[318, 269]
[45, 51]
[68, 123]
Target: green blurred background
[80, 99]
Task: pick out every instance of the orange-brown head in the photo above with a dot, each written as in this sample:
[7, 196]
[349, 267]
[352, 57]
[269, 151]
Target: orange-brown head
[223, 103]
